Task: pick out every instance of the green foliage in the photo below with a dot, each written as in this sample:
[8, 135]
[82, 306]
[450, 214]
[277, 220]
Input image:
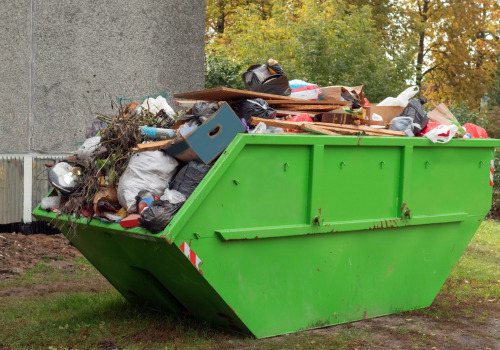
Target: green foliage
[325, 42]
[465, 115]
[220, 71]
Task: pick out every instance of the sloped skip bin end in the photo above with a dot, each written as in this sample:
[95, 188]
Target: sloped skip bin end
[292, 232]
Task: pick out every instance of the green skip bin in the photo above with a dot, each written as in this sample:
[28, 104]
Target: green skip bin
[293, 232]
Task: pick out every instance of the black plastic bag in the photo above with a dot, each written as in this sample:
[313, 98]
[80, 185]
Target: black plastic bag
[351, 96]
[147, 196]
[258, 78]
[157, 216]
[418, 118]
[189, 177]
[201, 111]
[253, 108]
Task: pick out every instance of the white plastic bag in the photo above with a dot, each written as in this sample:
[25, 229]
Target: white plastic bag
[402, 99]
[154, 105]
[150, 171]
[52, 202]
[377, 118]
[442, 133]
[173, 196]
[87, 152]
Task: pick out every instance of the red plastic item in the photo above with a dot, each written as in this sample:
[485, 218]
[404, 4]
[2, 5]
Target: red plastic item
[476, 132]
[428, 127]
[304, 117]
[130, 221]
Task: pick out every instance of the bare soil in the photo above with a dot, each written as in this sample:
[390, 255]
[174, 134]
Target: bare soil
[472, 324]
[18, 252]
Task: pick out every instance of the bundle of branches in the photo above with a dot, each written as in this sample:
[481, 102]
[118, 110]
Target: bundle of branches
[121, 134]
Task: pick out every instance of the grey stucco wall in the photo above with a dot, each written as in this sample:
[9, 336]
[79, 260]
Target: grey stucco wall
[63, 61]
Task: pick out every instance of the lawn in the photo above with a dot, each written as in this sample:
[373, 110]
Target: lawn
[69, 305]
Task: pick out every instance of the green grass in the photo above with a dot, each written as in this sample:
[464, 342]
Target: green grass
[96, 316]
[474, 283]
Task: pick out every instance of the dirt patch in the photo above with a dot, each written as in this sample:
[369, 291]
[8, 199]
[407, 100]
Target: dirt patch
[19, 253]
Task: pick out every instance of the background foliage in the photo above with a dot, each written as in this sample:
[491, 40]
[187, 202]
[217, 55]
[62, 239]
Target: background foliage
[450, 48]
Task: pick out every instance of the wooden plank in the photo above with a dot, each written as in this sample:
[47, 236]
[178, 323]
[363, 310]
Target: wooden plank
[318, 130]
[308, 102]
[228, 94]
[365, 128]
[299, 107]
[346, 131]
[276, 123]
[336, 128]
[284, 111]
[373, 122]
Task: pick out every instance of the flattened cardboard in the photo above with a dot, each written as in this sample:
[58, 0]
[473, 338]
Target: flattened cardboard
[440, 115]
[333, 93]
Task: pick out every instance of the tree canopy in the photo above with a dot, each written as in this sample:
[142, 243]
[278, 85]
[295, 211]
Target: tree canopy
[449, 48]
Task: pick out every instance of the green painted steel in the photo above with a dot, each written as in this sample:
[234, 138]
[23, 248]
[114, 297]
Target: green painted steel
[292, 232]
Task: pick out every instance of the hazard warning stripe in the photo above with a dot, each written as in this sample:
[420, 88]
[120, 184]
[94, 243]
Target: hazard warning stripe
[191, 255]
[492, 167]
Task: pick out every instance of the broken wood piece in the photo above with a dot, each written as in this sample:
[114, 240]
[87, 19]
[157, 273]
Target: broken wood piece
[152, 146]
[189, 103]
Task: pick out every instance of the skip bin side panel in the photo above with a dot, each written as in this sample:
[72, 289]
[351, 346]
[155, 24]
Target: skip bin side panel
[278, 285]
[449, 180]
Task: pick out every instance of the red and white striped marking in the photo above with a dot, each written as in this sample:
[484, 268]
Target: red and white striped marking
[191, 255]
[492, 168]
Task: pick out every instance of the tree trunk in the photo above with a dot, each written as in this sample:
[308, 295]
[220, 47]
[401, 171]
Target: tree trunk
[421, 42]
[222, 18]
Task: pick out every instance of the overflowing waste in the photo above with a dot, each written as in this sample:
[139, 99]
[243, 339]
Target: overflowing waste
[146, 161]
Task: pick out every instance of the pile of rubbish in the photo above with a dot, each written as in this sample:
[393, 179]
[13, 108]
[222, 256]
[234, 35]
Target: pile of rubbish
[147, 160]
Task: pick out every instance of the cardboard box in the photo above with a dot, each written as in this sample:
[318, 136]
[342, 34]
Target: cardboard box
[338, 117]
[386, 112]
[210, 139]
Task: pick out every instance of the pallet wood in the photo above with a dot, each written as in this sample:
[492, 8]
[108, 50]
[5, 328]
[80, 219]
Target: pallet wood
[336, 128]
[318, 130]
[276, 123]
[364, 128]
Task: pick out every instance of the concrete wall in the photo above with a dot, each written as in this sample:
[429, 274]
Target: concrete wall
[64, 61]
